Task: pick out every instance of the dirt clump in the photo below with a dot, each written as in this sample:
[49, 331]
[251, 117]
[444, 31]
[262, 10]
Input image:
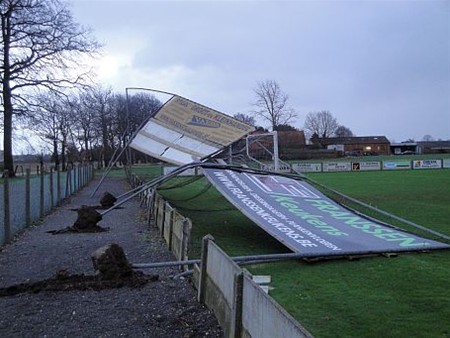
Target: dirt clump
[87, 220]
[113, 271]
[107, 201]
[110, 262]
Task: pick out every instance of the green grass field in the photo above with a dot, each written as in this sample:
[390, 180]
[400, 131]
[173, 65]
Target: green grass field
[405, 296]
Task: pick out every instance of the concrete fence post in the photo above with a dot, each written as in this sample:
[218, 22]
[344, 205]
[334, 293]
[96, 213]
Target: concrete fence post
[28, 197]
[151, 205]
[187, 226]
[168, 218]
[204, 269]
[6, 209]
[237, 310]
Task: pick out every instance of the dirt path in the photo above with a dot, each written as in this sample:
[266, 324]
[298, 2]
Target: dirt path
[163, 308]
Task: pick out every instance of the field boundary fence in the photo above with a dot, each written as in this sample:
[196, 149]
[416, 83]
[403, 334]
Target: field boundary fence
[26, 199]
[173, 227]
[367, 165]
[241, 306]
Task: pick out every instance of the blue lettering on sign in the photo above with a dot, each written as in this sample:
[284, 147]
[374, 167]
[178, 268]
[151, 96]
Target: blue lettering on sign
[202, 122]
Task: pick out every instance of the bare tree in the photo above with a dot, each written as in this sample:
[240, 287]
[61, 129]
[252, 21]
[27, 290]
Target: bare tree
[41, 48]
[245, 118]
[52, 122]
[427, 138]
[321, 123]
[343, 131]
[98, 101]
[271, 104]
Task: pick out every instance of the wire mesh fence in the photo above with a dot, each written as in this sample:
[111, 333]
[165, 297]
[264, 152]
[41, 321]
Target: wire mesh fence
[26, 199]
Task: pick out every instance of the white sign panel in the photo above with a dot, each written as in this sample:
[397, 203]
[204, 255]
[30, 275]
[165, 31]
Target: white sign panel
[184, 131]
[396, 165]
[446, 163]
[370, 165]
[337, 166]
[307, 167]
[427, 164]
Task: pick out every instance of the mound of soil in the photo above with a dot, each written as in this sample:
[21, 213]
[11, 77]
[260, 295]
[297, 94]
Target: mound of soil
[63, 281]
[87, 220]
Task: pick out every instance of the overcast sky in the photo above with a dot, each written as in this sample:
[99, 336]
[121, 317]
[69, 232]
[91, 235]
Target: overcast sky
[379, 67]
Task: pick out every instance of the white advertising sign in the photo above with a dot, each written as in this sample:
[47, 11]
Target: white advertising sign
[396, 165]
[427, 164]
[307, 167]
[370, 165]
[337, 166]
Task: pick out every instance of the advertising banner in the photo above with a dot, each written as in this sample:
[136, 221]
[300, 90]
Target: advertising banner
[307, 167]
[337, 166]
[396, 165]
[305, 220]
[446, 163]
[427, 164]
[362, 166]
[200, 122]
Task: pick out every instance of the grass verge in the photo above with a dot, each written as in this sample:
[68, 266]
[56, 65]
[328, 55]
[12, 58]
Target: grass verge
[396, 297]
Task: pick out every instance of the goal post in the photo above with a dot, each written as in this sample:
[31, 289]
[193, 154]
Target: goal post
[262, 148]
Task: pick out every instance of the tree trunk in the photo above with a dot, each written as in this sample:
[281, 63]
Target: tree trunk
[55, 153]
[63, 156]
[8, 160]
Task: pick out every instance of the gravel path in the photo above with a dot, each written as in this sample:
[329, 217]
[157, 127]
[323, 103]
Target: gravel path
[163, 308]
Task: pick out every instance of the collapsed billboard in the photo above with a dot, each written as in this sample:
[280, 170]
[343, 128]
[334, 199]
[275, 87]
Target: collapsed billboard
[306, 221]
[184, 131]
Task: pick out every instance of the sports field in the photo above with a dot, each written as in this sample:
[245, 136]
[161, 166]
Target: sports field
[403, 296]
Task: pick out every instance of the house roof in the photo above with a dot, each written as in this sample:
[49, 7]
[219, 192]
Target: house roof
[435, 144]
[355, 140]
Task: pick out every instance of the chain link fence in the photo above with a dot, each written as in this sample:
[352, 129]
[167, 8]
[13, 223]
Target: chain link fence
[26, 199]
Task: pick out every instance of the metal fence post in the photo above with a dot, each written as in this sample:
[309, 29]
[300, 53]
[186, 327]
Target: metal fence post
[58, 185]
[7, 216]
[79, 177]
[28, 197]
[52, 193]
[41, 193]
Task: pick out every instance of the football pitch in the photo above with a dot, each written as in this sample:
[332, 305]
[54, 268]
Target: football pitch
[400, 296]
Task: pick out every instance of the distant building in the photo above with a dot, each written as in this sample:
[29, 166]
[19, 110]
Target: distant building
[355, 145]
[428, 147]
[433, 147]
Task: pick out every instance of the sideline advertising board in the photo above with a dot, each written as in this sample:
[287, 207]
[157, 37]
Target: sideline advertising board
[305, 220]
[446, 163]
[336, 166]
[364, 166]
[307, 167]
[200, 122]
[427, 164]
[396, 165]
